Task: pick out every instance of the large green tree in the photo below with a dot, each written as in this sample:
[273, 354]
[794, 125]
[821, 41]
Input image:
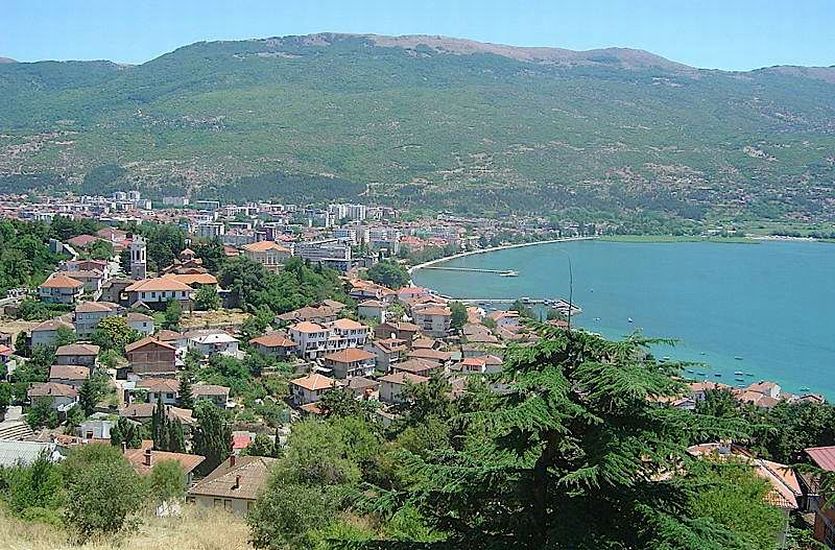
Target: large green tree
[574, 453]
[389, 273]
[212, 436]
[114, 333]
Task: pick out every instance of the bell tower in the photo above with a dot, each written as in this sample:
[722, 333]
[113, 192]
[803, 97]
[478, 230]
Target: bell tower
[138, 260]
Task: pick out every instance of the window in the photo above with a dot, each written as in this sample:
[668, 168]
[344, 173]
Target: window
[227, 505]
[217, 502]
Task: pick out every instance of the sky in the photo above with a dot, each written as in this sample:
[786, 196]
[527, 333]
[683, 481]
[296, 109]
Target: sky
[715, 34]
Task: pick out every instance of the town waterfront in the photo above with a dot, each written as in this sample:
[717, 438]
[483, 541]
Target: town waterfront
[766, 309]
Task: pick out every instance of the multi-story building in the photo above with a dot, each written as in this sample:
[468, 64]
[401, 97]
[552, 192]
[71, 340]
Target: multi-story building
[434, 320]
[329, 252]
[314, 340]
[267, 253]
[61, 289]
[156, 293]
[88, 314]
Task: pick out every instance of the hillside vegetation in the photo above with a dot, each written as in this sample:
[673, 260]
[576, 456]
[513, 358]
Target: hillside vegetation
[432, 121]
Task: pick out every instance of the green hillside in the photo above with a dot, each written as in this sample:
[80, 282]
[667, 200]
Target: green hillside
[429, 121]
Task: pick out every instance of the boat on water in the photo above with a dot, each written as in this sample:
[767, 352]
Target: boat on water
[690, 370]
[702, 353]
[739, 379]
[738, 373]
[629, 319]
[740, 386]
[738, 358]
[805, 388]
[701, 374]
[510, 273]
[717, 374]
[751, 374]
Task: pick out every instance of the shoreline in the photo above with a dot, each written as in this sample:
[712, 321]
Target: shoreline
[415, 268]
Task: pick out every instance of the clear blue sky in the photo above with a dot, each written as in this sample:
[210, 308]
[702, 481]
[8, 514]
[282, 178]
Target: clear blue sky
[725, 34]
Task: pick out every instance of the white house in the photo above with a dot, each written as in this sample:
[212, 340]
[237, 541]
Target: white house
[214, 342]
[392, 385]
[88, 314]
[158, 292]
[61, 289]
[310, 388]
[434, 320]
[143, 324]
[311, 339]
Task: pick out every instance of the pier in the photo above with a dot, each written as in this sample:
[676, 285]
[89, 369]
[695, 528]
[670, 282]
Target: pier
[563, 306]
[501, 272]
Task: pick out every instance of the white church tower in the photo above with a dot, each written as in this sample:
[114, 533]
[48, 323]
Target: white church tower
[138, 260]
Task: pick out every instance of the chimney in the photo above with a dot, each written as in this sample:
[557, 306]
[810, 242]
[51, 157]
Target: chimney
[124, 447]
[232, 460]
[237, 483]
[148, 457]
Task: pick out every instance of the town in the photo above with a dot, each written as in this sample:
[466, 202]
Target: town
[201, 334]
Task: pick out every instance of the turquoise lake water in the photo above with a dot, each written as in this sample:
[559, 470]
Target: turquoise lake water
[770, 304]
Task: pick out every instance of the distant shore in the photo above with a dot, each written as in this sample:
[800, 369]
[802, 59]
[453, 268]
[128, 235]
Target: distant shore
[496, 248]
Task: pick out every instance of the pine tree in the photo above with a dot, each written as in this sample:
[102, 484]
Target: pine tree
[575, 452]
[212, 437]
[186, 395]
[158, 429]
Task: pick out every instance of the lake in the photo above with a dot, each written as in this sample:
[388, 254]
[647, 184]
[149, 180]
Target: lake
[766, 309]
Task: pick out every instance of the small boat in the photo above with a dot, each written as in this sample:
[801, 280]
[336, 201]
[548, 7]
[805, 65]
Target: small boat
[805, 388]
[591, 290]
[717, 374]
[738, 373]
[739, 379]
[751, 374]
[702, 353]
[701, 374]
[738, 358]
[690, 370]
[597, 318]
[629, 319]
[740, 386]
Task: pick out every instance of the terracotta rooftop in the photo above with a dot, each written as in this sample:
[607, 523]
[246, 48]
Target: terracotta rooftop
[158, 285]
[347, 324]
[192, 278]
[68, 372]
[308, 327]
[400, 378]
[51, 389]
[264, 246]
[95, 307]
[209, 389]
[139, 459]
[349, 355]
[61, 281]
[148, 340]
[242, 477]
[427, 353]
[169, 385]
[314, 382]
[273, 340]
[77, 349]
[824, 457]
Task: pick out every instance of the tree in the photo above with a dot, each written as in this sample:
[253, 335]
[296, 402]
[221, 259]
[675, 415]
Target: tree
[102, 494]
[186, 382]
[173, 312]
[113, 334]
[211, 252]
[167, 482]
[572, 449]
[212, 436]
[167, 433]
[263, 446]
[459, 315]
[390, 274]
[37, 485]
[126, 432]
[41, 414]
[21, 344]
[206, 298]
[92, 391]
[64, 336]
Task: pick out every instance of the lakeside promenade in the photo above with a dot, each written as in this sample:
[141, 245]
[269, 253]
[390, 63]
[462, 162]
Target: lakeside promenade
[496, 248]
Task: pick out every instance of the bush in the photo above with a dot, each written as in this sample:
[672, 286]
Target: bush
[102, 495]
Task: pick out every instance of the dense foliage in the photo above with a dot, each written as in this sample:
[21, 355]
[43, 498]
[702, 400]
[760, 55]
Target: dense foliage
[253, 288]
[389, 273]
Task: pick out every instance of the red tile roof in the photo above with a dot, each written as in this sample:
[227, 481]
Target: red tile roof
[824, 457]
[349, 355]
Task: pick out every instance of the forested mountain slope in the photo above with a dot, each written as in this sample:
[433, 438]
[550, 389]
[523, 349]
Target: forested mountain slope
[428, 120]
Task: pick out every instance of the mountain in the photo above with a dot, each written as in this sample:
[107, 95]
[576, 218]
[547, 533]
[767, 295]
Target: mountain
[429, 121]
[7, 60]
